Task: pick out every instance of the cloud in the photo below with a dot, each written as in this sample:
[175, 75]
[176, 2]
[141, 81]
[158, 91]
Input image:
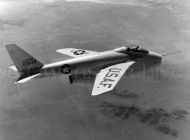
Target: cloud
[158, 118]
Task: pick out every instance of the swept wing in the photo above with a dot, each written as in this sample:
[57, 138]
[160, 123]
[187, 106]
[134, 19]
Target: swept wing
[75, 52]
[107, 78]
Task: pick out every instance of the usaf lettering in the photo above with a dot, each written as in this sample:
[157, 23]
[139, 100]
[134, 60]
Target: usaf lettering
[109, 77]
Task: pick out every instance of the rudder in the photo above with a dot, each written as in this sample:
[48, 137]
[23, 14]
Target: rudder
[24, 62]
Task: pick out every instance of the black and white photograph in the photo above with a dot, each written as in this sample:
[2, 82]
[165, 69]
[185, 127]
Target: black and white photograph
[94, 69]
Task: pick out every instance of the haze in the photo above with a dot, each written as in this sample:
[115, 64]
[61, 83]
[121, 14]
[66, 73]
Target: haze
[152, 104]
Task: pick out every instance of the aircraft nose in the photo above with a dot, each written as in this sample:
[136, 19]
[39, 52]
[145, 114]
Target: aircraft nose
[157, 58]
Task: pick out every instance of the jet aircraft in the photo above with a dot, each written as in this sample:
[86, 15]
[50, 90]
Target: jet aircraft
[108, 66]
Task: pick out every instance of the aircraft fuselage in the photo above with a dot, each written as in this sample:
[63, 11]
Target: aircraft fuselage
[93, 63]
[84, 64]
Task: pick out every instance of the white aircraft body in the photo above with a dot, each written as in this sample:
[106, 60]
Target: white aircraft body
[109, 66]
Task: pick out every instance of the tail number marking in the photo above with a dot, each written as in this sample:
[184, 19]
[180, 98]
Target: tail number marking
[110, 77]
[28, 62]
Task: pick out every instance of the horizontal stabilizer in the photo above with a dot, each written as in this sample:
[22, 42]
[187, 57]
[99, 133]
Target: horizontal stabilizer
[13, 67]
[23, 80]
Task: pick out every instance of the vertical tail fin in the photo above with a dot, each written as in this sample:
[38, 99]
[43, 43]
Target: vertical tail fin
[24, 62]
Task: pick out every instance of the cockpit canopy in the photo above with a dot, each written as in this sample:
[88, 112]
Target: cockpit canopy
[133, 51]
[136, 49]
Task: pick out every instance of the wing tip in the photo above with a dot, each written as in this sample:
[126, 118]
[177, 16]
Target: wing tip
[94, 94]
